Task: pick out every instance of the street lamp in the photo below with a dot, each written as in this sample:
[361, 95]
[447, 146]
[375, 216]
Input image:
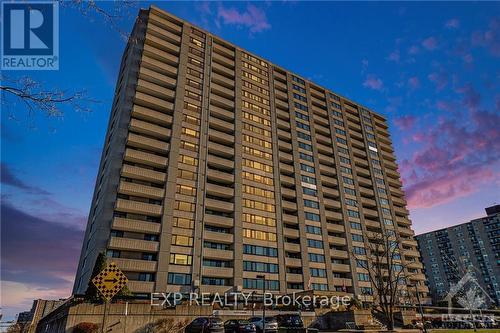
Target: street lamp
[263, 278]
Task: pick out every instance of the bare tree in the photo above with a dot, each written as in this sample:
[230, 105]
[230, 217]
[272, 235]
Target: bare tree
[51, 101]
[387, 272]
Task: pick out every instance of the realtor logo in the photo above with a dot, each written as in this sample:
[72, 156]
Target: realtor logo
[30, 36]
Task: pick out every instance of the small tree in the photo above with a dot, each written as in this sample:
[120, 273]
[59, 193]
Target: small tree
[387, 273]
[92, 294]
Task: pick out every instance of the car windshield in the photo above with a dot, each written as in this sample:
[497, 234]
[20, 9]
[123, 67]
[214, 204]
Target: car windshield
[216, 320]
[243, 321]
[271, 320]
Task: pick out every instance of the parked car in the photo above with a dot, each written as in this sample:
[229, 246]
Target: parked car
[289, 320]
[205, 325]
[271, 324]
[239, 326]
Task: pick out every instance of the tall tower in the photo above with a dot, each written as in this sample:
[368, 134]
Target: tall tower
[220, 166]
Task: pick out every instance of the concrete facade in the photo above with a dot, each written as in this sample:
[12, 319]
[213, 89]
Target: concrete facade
[447, 255]
[219, 166]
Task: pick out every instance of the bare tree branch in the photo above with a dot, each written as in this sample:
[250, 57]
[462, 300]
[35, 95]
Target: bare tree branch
[38, 99]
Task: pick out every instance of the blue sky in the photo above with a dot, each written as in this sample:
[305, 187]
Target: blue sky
[431, 68]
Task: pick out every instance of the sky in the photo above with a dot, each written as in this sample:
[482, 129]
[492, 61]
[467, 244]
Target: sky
[431, 68]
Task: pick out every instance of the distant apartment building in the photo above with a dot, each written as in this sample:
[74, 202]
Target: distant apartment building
[219, 166]
[473, 247]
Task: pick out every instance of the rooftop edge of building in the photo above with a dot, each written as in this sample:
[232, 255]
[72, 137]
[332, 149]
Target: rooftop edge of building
[182, 21]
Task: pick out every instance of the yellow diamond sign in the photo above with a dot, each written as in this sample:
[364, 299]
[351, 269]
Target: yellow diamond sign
[110, 281]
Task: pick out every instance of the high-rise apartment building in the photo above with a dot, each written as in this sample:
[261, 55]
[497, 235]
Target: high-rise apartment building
[449, 254]
[219, 166]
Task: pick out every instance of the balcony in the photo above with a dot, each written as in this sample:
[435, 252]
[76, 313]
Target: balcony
[161, 44]
[137, 207]
[141, 287]
[290, 247]
[370, 212]
[136, 172]
[218, 149]
[279, 85]
[341, 268]
[156, 28]
[333, 216]
[337, 240]
[151, 116]
[159, 66]
[292, 233]
[141, 190]
[137, 156]
[222, 91]
[221, 113]
[223, 60]
[223, 272]
[220, 137]
[220, 221]
[338, 254]
[218, 205]
[129, 244]
[218, 237]
[149, 75]
[285, 157]
[280, 104]
[293, 262]
[222, 102]
[328, 181]
[222, 191]
[220, 163]
[217, 254]
[220, 176]
[147, 128]
[158, 54]
[155, 90]
[134, 265]
[222, 70]
[335, 227]
[294, 278]
[290, 219]
[131, 225]
[287, 180]
[142, 142]
[331, 203]
[223, 81]
[153, 102]
[288, 205]
[286, 169]
[156, 17]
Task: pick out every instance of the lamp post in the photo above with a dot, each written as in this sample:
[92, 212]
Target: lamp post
[263, 277]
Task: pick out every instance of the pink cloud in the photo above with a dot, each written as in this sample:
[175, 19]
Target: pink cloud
[405, 123]
[456, 158]
[439, 79]
[445, 106]
[452, 23]
[373, 82]
[414, 82]
[413, 50]
[430, 43]
[394, 56]
[489, 39]
[253, 18]
[471, 97]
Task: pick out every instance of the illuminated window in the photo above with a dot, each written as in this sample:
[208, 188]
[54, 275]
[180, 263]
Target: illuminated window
[252, 218]
[260, 235]
[256, 119]
[186, 190]
[189, 146]
[257, 178]
[181, 240]
[183, 223]
[190, 132]
[253, 204]
[184, 206]
[257, 165]
[256, 129]
[188, 160]
[180, 259]
[185, 174]
[257, 153]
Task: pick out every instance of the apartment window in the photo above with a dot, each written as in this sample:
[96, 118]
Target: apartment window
[362, 263]
[312, 217]
[388, 222]
[352, 213]
[305, 146]
[179, 278]
[377, 171]
[260, 250]
[298, 80]
[197, 42]
[184, 206]
[344, 160]
[346, 170]
[194, 73]
[311, 204]
[386, 211]
[351, 202]
[348, 180]
[260, 235]
[181, 259]
[257, 165]
[257, 141]
[258, 191]
[303, 126]
[313, 229]
[340, 140]
[259, 284]
[191, 120]
[193, 84]
[184, 223]
[186, 190]
[384, 202]
[253, 204]
[216, 246]
[357, 238]
[337, 105]
[256, 119]
[216, 263]
[335, 112]
[315, 243]
[298, 88]
[319, 286]
[189, 146]
[257, 130]
[255, 78]
[339, 122]
[309, 180]
[343, 150]
[369, 128]
[184, 174]
[339, 131]
[256, 98]
[182, 240]
[188, 160]
[303, 135]
[309, 191]
[314, 257]
[363, 277]
[193, 95]
[318, 272]
[366, 291]
[257, 178]
[254, 266]
[355, 225]
[255, 87]
[381, 190]
[301, 116]
[257, 219]
[306, 157]
[214, 281]
[254, 68]
[359, 250]
[146, 277]
[307, 168]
